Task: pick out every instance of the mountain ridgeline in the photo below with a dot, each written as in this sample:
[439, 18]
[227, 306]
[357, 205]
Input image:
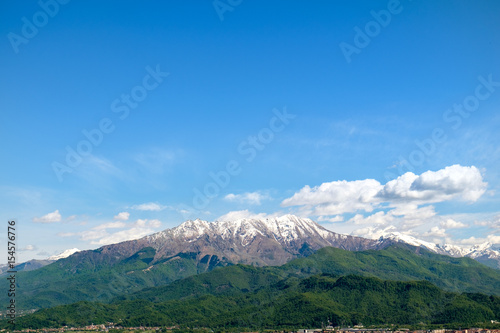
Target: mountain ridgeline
[122, 270]
[294, 295]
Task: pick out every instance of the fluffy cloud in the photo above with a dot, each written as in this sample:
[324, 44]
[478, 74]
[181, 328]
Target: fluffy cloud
[373, 232]
[492, 223]
[435, 232]
[252, 198]
[28, 248]
[123, 216]
[147, 223]
[379, 218]
[244, 214]
[110, 225]
[55, 216]
[150, 206]
[492, 239]
[337, 218]
[455, 182]
[101, 235]
[452, 224]
[123, 235]
[337, 197]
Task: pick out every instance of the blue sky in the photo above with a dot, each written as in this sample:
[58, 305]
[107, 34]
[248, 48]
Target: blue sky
[268, 96]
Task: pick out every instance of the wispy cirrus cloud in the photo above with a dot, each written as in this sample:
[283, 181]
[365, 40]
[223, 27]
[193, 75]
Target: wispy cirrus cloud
[149, 206]
[251, 198]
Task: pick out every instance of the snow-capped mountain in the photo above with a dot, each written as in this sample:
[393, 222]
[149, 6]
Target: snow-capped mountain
[63, 254]
[38, 263]
[271, 241]
[484, 253]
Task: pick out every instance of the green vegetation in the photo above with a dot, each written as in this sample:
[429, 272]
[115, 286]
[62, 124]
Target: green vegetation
[287, 303]
[93, 279]
[399, 263]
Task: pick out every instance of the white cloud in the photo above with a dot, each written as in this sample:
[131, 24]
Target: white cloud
[492, 223]
[453, 182]
[244, 214]
[337, 218]
[70, 218]
[123, 216]
[155, 223]
[373, 232]
[147, 223]
[55, 216]
[123, 235]
[252, 198]
[379, 218]
[92, 234]
[101, 235]
[338, 197]
[28, 248]
[403, 219]
[492, 239]
[435, 232]
[139, 229]
[150, 206]
[110, 225]
[452, 224]
[412, 216]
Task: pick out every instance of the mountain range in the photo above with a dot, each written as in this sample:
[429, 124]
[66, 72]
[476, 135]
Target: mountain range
[331, 286]
[199, 246]
[37, 263]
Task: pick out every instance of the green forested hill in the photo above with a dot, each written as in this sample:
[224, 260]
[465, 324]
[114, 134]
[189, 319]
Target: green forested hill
[291, 302]
[393, 263]
[54, 285]
[62, 283]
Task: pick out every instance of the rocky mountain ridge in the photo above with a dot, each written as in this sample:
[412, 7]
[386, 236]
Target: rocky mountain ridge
[484, 253]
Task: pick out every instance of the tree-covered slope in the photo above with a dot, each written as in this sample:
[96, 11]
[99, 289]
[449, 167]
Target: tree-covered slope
[126, 279]
[59, 283]
[291, 302]
[398, 262]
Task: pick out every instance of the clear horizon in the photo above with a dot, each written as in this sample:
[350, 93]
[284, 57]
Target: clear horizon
[121, 119]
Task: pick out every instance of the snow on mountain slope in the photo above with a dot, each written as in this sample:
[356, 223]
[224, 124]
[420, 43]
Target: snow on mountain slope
[284, 229]
[64, 254]
[483, 253]
[269, 241]
[399, 237]
[291, 232]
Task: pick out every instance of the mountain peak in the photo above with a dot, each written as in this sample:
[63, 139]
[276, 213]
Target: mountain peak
[64, 254]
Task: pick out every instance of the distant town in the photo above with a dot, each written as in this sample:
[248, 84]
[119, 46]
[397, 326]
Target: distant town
[110, 327]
